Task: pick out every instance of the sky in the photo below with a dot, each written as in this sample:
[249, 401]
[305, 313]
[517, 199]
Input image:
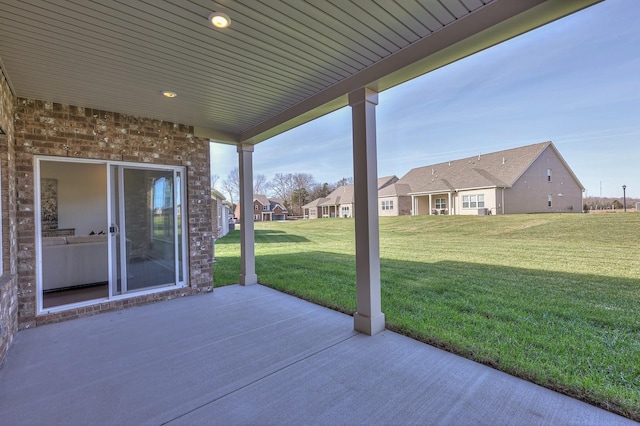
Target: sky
[575, 82]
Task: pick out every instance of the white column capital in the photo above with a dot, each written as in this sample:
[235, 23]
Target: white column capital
[245, 147]
[363, 95]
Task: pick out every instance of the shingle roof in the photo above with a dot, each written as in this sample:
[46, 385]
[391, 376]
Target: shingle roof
[262, 199]
[497, 169]
[344, 194]
[395, 190]
[315, 203]
[275, 202]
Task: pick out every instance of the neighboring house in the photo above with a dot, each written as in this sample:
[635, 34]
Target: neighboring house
[394, 200]
[222, 214]
[340, 202]
[266, 209]
[529, 179]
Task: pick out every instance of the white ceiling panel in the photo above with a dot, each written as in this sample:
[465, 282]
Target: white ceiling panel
[279, 64]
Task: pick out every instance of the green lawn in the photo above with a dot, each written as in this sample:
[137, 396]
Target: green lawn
[551, 298]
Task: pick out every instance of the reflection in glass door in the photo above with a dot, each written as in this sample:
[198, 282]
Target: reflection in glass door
[145, 227]
[73, 226]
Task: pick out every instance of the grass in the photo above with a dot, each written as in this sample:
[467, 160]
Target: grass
[551, 298]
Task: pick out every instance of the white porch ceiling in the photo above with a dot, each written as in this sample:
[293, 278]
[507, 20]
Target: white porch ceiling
[280, 64]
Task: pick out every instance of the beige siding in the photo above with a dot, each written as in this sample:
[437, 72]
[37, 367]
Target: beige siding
[386, 200]
[490, 202]
[425, 209]
[345, 210]
[531, 191]
[422, 204]
[401, 206]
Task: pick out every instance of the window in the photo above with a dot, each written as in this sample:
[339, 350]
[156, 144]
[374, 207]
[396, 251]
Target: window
[265, 207]
[387, 205]
[256, 207]
[548, 175]
[441, 203]
[472, 201]
[312, 212]
[549, 199]
[256, 216]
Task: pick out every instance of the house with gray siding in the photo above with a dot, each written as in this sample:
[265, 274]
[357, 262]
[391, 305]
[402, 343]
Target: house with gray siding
[528, 179]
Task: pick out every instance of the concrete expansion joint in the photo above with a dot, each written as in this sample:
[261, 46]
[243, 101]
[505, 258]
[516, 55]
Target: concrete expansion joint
[266, 376]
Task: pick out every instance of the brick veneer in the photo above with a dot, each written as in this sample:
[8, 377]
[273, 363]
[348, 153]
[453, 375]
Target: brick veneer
[46, 128]
[8, 280]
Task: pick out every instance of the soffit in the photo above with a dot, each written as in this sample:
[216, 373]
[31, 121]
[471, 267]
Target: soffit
[280, 64]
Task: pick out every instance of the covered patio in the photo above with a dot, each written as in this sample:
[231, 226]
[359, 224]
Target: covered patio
[252, 355]
[135, 83]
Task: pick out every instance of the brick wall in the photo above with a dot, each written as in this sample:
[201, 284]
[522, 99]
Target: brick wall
[46, 128]
[8, 280]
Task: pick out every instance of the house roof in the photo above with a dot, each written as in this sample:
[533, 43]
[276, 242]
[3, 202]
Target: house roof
[277, 202]
[344, 194]
[271, 202]
[217, 195]
[395, 190]
[315, 203]
[279, 64]
[262, 199]
[496, 169]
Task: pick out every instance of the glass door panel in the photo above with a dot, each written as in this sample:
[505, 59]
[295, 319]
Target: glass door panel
[146, 237]
[73, 223]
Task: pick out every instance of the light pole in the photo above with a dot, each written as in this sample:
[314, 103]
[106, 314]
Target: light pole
[624, 197]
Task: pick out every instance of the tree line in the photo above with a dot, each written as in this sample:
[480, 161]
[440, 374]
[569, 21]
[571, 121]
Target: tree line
[608, 203]
[294, 189]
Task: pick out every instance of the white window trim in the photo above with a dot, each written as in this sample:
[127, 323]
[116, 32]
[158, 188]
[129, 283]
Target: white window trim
[38, 229]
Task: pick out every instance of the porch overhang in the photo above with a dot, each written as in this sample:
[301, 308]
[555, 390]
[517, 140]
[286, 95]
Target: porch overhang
[235, 86]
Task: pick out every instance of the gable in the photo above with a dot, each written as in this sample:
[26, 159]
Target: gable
[497, 169]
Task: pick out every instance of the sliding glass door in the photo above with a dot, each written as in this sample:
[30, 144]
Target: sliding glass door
[147, 228]
[107, 230]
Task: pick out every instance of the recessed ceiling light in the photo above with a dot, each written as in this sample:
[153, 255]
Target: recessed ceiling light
[169, 94]
[219, 20]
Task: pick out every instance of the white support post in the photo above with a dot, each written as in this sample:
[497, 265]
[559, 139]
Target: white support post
[247, 239]
[449, 202]
[430, 205]
[368, 318]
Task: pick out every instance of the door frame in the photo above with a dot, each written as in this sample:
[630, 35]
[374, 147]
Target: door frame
[182, 266]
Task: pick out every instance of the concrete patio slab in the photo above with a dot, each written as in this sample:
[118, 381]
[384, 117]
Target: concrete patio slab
[252, 355]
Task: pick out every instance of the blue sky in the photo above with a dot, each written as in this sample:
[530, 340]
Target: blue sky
[575, 82]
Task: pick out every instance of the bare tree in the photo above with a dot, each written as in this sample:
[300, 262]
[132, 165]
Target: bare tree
[295, 190]
[260, 184]
[301, 190]
[281, 186]
[214, 180]
[344, 181]
[321, 190]
[231, 184]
